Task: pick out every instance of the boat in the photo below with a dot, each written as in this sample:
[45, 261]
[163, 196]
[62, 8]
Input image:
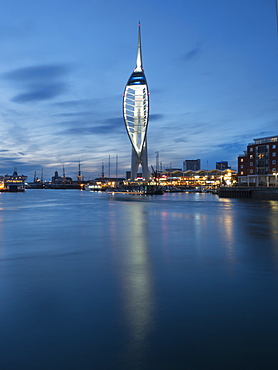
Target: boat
[13, 183]
[93, 187]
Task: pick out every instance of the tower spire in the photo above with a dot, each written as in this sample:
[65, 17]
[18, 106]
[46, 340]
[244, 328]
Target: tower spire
[139, 63]
[136, 115]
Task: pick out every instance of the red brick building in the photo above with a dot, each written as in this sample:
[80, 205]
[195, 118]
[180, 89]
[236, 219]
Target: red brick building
[259, 163]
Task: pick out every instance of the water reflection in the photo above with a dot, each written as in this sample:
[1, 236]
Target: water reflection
[273, 222]
[273, 219]
[135, 274]
[1, 234]
[198, 227]
[228, 223]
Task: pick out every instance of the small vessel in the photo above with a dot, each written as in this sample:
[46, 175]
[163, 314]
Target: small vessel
[93, 187]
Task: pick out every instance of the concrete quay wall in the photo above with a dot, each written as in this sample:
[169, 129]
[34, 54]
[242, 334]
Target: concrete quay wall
[249, 192]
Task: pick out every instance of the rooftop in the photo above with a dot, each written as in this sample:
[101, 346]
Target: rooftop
[264, 140]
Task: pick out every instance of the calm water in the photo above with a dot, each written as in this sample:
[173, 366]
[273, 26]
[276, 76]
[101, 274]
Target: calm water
[179, 281]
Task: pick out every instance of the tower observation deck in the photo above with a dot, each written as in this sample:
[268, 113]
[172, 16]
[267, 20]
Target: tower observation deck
[136, 115]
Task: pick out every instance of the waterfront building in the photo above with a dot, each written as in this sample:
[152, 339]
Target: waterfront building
[128, 175]
[56, 179]
[136, 115]
[2, 183]
[202, 178]
[258, 165]
[222, 165]
[192, 165]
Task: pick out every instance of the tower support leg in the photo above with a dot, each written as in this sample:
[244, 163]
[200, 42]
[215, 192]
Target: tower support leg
[144, 161]
[136, 161]
[134, 164]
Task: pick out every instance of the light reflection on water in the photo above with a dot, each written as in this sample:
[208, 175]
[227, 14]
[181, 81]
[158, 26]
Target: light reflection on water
[135, 278]
[117, 282]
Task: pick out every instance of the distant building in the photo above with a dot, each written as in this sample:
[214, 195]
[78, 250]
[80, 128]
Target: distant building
[56, 179]
[128, 175]
[192, 165]
[258, 165]
[221, 166]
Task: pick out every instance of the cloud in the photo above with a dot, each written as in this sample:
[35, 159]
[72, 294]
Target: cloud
[38, 83]
[43, 93]
[156, 117]
[107, 126]
[192, 54]
[74, 114]
[180, 140]
[9, 164]
[230, 147]
[37, 74]
[264, 134]
[73, 103]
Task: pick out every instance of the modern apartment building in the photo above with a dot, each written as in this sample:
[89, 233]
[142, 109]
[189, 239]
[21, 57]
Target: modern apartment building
[258, 165]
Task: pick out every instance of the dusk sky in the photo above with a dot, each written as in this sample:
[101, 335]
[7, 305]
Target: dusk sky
[211, 67]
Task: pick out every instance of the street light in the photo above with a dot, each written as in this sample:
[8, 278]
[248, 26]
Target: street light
[275, 174]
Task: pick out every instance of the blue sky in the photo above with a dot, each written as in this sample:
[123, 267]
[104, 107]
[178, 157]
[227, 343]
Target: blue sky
[211, 66]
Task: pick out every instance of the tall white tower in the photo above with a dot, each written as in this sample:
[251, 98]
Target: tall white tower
[136, 115]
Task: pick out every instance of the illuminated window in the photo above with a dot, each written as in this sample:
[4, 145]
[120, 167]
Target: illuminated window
[241, 172]
[251, 156]
[241, 160]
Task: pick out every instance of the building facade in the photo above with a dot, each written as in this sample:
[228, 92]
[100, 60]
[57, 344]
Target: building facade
[56, 179]
[136, 115]
[192, 165]
[221, 166]
[258, 165]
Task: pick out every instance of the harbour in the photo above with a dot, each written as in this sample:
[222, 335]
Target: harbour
[143, 236]
[179, 280]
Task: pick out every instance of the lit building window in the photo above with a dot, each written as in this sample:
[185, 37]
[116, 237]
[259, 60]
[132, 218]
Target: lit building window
[241, 160]
[241, 172]
[251, 156]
